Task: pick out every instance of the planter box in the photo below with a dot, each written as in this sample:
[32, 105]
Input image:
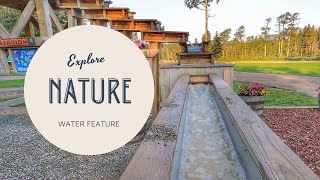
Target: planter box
[256, 103]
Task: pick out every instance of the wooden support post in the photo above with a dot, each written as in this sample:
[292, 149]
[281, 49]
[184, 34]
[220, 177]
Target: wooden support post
[78, 3]
[23, 20]
[71, 19]
[29, 30]
[45, 25]
[13, 62]
[183, 48]
[212, 59]
[35, 22]
[4, 62]
[155, 65]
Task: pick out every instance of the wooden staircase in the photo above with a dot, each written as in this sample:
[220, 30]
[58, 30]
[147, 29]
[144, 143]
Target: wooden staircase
[122, 20]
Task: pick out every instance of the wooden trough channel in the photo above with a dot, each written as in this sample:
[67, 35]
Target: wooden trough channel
[260, 153]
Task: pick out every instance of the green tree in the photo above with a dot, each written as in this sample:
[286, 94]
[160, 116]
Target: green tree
[216, 46]
[240, 33]
[282, 22]
[266, 28]
[293, 20]
[266, 33]
[9, 17]
[225, 35]
[202, 5]
[63, 18]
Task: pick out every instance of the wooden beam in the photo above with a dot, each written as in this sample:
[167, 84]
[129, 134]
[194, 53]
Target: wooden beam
[71, 19]
[29, 30]
[35, 22]
[13, 62]
[155, 66]
[4, 62]
[3, 32]
[45, 25]
[23, 20]
[154, 45]
[55, 20]
[165, 36]
[195, 58]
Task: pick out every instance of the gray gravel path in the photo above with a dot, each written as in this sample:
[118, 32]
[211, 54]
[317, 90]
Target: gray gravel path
[12, 102]
[307, 84]
[11, 92]
[25, 154]
[8, 78]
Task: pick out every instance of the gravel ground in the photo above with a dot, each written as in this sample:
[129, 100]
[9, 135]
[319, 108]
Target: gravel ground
[161, 132]
[11, 92]
[300, 130]
[25, 154]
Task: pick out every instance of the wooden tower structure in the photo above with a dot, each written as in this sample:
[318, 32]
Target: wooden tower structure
[40, 14]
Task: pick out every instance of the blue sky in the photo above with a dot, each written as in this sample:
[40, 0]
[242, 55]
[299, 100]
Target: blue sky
[228, 13]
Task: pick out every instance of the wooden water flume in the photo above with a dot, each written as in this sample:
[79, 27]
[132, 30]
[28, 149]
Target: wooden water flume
[262, 154]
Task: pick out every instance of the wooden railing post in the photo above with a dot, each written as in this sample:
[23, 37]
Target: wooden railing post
[4, 62]
[43, 14]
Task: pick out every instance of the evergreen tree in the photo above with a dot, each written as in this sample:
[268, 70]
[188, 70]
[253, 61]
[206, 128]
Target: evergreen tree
[225, 35]
[266, 28]
[240, 33]
[216, 46]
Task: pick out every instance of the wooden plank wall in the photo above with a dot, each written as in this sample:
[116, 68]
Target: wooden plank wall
[169, 74]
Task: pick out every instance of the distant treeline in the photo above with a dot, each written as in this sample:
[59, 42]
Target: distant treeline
[289, 42]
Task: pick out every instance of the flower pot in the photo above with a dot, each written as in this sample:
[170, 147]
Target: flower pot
[256, 103]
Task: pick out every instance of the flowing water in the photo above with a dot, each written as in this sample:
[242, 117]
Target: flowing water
[207, 151]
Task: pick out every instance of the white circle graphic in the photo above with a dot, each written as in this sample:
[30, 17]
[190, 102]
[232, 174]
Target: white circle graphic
[89, 90]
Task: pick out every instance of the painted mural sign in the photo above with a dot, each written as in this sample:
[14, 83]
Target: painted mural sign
[17, 42]
[22, 58]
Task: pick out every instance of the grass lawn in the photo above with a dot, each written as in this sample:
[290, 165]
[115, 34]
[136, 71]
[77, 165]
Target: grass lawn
[281, 97]
[21, 105]
[296, 68]
[12, 83]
